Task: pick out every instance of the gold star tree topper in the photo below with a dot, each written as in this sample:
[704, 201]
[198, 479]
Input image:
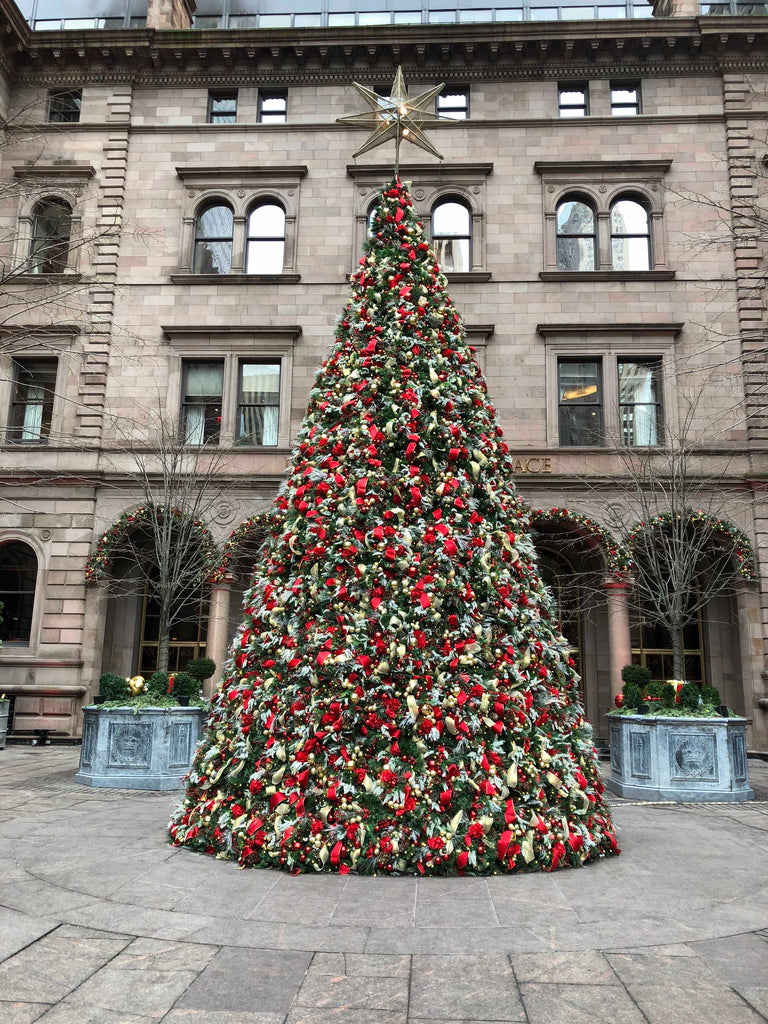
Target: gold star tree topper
[396, 117]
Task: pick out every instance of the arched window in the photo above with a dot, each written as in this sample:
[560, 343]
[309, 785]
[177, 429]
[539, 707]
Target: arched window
[452, 235]
[18, 580]
[630, 236]
[265, 245]
[370, 221]
[51, 230]
[576, 238]
[213, 240]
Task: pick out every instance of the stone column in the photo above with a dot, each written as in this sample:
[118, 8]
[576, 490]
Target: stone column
[619, 637]
[751, 663]
[218, 628]
[94, 624]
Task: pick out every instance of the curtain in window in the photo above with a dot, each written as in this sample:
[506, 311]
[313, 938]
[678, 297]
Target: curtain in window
[203, 389]
[259, 403]
[31, 428]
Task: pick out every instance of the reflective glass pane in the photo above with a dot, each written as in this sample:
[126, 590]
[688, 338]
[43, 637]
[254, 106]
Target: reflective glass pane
[452, 254]
[579, 381]
[267, 221]
[575, 218]
[575, 253]
[630, 254]
[476, 16]
[275, 21]
[260, 382]
[341, 19]
[212, 257]
[243, 21]
[628, 218]
[545, 14]
[451, 219]
[580, 425]
[407, 17]
[215, 222]
[308, 20]
[374, 18]
[204, 380]
[265, 257]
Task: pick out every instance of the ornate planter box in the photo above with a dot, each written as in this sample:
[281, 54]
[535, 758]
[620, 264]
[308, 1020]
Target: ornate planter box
[683, 759]
[151, 749]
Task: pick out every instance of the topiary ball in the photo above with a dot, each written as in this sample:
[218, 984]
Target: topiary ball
[690, 697]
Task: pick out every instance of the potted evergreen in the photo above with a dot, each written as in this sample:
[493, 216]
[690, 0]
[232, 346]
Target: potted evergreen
[675, 740]
[141, 735]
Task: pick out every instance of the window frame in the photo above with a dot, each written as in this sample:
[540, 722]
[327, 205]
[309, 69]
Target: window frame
[19, 364]
[577, 197]
[611, 344]
[12, 648]
[260, 205]
[628, 235]
[622, 108]
[446, 200]
[655, 361]
[465, 183]
[185, 404]
[240, 404]
[243, 189]
[566, 360]
[216, 96]
[601, 184]
[262, 115]
[213, 203]
[233, 346]
[564, 87]
[457, 112]
[59, 94]
[48, 202]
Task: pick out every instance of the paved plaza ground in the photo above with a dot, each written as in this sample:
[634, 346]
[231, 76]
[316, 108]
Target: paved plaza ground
[101, 922]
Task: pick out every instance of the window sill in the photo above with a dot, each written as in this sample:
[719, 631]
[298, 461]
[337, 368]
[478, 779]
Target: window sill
[467, 276]
[68, 278]
[606, 275]
[235, 278]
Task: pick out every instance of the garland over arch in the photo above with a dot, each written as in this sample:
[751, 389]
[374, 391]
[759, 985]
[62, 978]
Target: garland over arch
[250, 529]
[96, 568]
[617, 555]
[743, 551]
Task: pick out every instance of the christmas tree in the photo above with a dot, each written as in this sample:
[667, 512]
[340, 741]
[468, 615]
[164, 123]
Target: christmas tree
[398, 697]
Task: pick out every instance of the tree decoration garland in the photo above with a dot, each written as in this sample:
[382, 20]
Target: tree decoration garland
[97, 565]
[742, 548]
[256, 527]
[398, 698]
[617, 556]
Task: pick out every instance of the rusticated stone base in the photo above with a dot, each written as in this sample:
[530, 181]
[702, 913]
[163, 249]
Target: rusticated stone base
[148, 749]
[681, 759]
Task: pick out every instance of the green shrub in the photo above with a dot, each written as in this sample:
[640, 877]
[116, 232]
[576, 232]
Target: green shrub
[689, 696]
[668, 695]
[710, 695]
[185, 685]
[158, 683]
[637, 675]
[654, 688]
[201, 668]
[113, 686]
[632, 695]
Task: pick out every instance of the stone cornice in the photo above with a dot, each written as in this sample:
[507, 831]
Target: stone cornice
[454, 53]
[217, 174]
[57, 169]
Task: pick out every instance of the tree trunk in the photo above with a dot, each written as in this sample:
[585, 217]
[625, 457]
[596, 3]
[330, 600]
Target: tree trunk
[163, 635]
[678, 658]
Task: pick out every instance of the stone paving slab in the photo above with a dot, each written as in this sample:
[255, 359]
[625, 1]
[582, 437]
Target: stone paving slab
[101, 922]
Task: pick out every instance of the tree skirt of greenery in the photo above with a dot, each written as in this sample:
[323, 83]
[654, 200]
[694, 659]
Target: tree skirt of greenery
[398, 698]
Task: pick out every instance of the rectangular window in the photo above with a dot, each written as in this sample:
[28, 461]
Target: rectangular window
[580, 402]
[64, 105]
[34, 383]
[640, 402]
[201, 402]
[273, 106]
[222, 107]
[258, 402]
[573, 99]
[625, 99]
[453, 102]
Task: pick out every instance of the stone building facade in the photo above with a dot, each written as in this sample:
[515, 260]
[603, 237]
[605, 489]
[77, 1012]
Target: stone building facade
[596, 202]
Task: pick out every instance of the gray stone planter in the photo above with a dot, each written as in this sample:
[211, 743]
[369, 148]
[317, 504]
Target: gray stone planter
[683, 759]
[4, 707]
[148, 749]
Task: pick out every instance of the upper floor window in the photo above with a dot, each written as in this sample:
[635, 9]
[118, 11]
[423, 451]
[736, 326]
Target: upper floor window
[625, 99]
[580, 402]
[258, 402]
[222, 107]
[630, 236]
[273, 106]
[202, 389]
[573, 99]
[453, 102]
[452, 235]
[34, 383]
[265, 241]
[51, 230]
[64, 105]
[640, 410]
[576, 235]
[213, 240]
[18, 582]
